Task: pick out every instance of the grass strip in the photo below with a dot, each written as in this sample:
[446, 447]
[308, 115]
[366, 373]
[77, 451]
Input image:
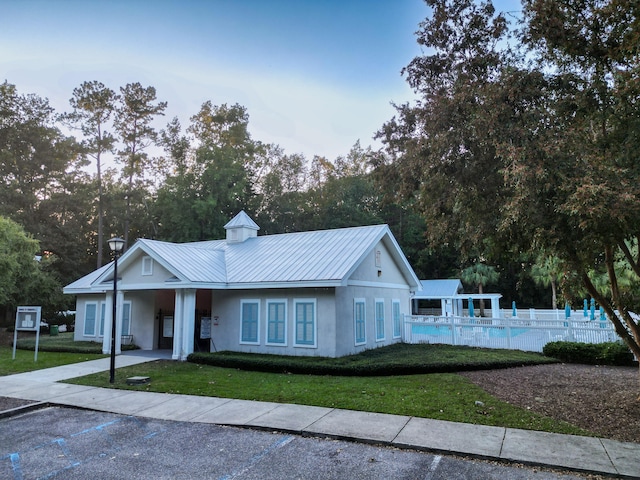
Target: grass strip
[445, 396]
[24, 361]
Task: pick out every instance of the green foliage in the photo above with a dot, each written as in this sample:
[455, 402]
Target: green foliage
[93, 104]
[133, 122]
[63, 342]
[439, 151]
[547, 271]
[42, 185]
[610, 353]
[524, 138]
[398, 359]
[23, 279]
[479, 275]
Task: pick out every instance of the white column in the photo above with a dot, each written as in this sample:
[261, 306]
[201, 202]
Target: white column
[495, 308]
[188, 322]
[177, 325]
[119, 315]
[108, 309]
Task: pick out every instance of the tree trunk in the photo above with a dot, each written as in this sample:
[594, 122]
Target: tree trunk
[100, 212]
[625, 326]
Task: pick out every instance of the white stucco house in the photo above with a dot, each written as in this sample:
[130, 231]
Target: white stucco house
[326, 293]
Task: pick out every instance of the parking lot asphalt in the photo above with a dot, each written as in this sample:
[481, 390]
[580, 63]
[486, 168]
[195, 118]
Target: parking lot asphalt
[576, 453]
[73, 444]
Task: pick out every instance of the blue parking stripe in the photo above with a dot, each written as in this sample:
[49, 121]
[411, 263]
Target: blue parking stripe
[256, 458]
[15, 465]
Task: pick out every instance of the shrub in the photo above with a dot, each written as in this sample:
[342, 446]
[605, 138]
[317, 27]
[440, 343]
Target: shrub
[398, 359]
[609, 353]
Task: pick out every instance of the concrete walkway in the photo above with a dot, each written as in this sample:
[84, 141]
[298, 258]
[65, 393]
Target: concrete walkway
[570, 452]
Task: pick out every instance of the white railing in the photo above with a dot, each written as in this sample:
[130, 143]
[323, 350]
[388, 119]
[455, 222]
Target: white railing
[548, 314]
[529, 334]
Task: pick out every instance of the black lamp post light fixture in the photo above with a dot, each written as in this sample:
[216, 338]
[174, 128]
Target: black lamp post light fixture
[116, 245]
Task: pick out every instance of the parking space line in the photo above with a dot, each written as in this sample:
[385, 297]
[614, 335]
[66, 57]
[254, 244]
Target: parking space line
[433, 467]
[98, 427]
[256, 458]
[15, 466]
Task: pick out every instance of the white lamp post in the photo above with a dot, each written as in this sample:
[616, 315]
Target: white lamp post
[116, 245]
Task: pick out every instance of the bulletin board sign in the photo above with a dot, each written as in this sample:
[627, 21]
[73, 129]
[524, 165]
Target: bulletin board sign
[167, 326]
[27, 320]
[205, 327]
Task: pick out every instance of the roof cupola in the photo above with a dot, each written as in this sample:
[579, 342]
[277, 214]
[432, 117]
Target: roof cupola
[240, 228]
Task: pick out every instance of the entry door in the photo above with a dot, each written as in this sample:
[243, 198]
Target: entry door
[165, 338]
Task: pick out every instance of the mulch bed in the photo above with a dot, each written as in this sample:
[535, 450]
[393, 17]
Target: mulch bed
[603, 400]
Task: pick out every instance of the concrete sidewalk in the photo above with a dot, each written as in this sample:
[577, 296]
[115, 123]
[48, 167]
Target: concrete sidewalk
[571, 452]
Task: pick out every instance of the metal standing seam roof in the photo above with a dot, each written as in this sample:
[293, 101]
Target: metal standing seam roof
[323, 256]
[193, 262]
[84, 283]
[448, 288]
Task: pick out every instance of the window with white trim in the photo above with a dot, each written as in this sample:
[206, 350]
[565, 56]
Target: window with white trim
[250, 322]
[395, 311]
[126, 318]
[379, 319]
[305, 322]
[276, 322]
[90, 312]
[147, 265]
[360, 321]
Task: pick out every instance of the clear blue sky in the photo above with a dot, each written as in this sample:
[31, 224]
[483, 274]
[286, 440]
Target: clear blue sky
[314, 75]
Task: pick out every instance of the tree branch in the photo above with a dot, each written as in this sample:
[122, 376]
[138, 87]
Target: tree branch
[629, 256]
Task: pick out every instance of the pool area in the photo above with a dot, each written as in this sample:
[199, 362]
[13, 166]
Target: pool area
[511, 333]
[445, 330]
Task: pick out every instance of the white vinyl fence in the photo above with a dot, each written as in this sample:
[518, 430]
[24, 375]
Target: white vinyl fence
[528, 334]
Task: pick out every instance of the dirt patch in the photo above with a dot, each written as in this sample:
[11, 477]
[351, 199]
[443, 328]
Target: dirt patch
[7, 403]
[603, 400]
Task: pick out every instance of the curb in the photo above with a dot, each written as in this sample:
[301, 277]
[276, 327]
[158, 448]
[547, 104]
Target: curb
[12, 412]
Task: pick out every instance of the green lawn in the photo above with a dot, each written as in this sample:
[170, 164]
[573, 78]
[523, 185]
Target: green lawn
[60, 344]
[446, 396]
[63, 342]
[24, 360]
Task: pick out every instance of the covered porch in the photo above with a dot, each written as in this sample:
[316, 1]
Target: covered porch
[176, 320]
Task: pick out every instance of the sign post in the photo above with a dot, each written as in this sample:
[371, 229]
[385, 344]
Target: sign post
[27, 320]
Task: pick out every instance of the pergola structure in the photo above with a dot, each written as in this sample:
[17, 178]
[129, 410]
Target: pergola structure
[452, 299]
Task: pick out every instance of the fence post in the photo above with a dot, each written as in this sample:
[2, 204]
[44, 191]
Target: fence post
[408, 325]
[453, 331]
[570, 330]
[509, 334]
